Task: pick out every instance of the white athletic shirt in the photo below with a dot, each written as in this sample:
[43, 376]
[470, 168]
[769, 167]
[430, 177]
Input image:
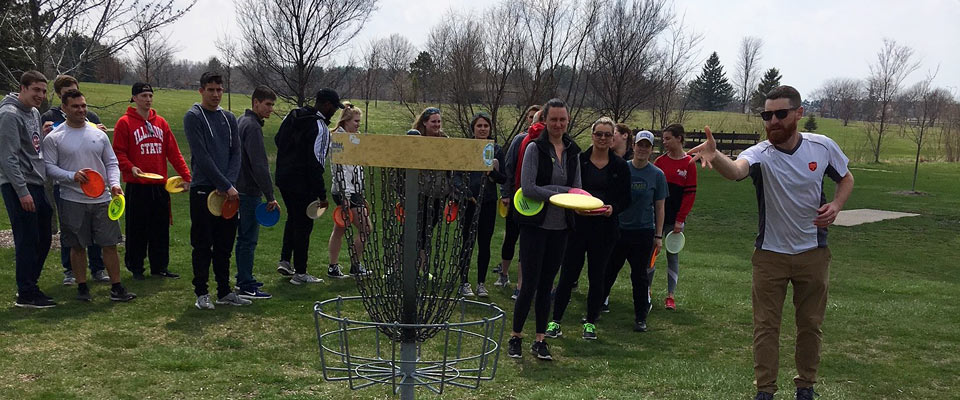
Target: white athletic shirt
[352, 174]
[790, 190]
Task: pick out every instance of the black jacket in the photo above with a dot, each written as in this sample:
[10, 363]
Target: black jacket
[545, 172]
[613, 188]
[298, 169]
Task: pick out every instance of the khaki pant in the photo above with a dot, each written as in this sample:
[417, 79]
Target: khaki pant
[809, 274]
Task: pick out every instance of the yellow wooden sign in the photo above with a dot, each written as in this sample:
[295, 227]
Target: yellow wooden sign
[412, 152]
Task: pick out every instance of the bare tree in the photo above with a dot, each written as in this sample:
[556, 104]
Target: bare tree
[748, 69]
[372, 65]
[228, 48]
[502, 51]
[841, 98]
[285, 41]
[950, 131]
[921, 111]
[894, 64]
[398, 53]
[36, 27]
[677, 61]
[152, 53]
[461, 55]
[624, 54]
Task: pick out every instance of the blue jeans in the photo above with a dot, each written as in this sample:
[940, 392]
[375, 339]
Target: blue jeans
[247, 233]
[94, 253]
[31, 235]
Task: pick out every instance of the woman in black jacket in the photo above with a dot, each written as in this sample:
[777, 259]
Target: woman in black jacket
[607, 177]
[483, 188]
[550, 166]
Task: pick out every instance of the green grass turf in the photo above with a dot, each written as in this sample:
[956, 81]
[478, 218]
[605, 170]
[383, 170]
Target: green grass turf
[890, 331]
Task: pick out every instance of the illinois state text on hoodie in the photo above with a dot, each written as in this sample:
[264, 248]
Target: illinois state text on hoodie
[148, 145]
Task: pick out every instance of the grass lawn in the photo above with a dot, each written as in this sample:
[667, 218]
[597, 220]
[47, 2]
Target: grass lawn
[890, 331]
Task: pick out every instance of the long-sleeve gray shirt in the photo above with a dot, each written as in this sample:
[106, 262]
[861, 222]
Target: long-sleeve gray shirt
[214, 147]
[555, 218]
[67, 150]
[254, 177]
[510, 167]
[20, 137]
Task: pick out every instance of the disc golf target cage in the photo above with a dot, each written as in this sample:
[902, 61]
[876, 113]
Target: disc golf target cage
[415, 218]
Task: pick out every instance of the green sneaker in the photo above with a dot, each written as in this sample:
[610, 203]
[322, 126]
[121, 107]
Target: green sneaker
[553, 330]
[589, 331]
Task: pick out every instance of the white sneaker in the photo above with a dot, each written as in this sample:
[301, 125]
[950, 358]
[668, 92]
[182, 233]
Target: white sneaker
[482, 290]
[466, 291]
[233, 300]
[299, 279]
[284, 268]
[203, 303]
[502, 280]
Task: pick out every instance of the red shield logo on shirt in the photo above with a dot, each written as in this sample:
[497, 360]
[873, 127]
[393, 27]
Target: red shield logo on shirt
[812, 165]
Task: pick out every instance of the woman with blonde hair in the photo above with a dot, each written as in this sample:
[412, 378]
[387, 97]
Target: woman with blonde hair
[347, 196]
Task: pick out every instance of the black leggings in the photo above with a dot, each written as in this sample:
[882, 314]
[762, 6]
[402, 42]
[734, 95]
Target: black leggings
[634, 246]
[297, 229]
[485, 224]
[596, 241]
[510, 236]
[541, 251]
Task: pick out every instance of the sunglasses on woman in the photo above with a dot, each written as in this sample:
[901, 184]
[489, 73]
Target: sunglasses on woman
[781, 114]
[603, 134]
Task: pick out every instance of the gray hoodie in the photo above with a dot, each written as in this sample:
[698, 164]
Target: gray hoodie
[20, 138]
[214, 140]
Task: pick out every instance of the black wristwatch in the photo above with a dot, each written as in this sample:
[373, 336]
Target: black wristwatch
[657, 237]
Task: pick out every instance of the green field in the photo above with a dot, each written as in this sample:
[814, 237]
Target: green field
[890, 331]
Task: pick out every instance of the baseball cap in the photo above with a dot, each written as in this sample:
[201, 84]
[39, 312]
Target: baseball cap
[643, 135]
[140, 87]
[329, 95]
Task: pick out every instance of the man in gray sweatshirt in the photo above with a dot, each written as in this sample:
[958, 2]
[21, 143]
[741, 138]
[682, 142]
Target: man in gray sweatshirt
[73, 152]
[253, 183]
[21, 181]
[215, 162]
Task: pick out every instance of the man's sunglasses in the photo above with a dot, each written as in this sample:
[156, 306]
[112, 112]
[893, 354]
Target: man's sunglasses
[603, 134]
[781, 114]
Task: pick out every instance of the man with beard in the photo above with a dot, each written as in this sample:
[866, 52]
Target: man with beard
[787, 171]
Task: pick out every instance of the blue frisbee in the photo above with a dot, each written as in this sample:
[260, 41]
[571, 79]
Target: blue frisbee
[267, 218]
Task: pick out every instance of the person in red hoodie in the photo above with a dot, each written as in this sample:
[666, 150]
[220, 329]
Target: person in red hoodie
[144, 143]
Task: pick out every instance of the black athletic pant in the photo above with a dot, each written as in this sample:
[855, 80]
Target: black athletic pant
[212, 240]
[31, 236]
[297, 229]
[148, 227]
[510, 235]
[634, 246]
[485, 224]
[541, 251]
[596, 241]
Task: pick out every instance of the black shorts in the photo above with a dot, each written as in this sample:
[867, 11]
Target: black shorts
[355, 199]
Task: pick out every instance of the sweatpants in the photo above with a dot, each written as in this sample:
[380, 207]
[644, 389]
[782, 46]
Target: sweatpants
[485, 225]
[673, 268]
[212, 240]
[595, 240]
[541, 252]
[809, 272]
[31, 235]
[635, 247]
[148, 227]
[297, 229]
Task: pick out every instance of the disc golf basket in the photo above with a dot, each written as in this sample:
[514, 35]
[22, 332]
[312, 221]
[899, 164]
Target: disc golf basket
[416, 223]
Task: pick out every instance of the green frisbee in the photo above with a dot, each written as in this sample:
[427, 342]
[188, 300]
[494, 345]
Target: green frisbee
[525, 205]
[116, 207]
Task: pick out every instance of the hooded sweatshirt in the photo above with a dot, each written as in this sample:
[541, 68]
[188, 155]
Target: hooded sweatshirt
[146, 144]
[214, 140]
[20, 138]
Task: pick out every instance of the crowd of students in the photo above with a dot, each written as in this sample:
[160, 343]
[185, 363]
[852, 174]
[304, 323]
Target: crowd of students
[642, 200]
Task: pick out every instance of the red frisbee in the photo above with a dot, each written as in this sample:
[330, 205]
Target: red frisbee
[450, 211]
[342, 218]
[398, 212]
[94, 186]
[229, 209]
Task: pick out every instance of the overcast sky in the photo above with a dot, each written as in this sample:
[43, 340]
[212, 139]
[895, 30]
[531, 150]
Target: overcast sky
[809, 42]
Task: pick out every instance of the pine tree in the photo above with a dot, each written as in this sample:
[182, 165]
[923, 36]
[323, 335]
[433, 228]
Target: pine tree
[811, 124]
[771, 79]
[711, 91]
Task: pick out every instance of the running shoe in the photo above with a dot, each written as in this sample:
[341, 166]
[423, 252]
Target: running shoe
[465, 290]
[299, 279]
[540, 350]
[589, 331]
[68, 279]
[83, 293]
[285, 269]
[101, 276]
[553, 330]
[669, 303]
[233, 299]
[120, 293]
[204, 303]
[805, 393]
[502, 280]
[482, 290]
[514, 347]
